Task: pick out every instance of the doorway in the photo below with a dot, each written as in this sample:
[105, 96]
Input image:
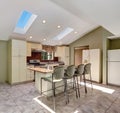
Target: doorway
[78, 54]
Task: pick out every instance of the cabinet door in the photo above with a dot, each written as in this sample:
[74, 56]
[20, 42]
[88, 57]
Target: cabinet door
[22, 52]
[22, 68]
[15, 51]
[15, 70]
[30, 75]
[95, 64]
[60, 52]
[85, 56]
[66, 55]
[28, 49]
[39, 46]
[114, 73]
[18, 48]
[92, 56]
[63, 54]
[15, 43]
[36, 46]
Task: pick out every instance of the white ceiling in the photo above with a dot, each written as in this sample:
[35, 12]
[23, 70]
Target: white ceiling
[81, 15]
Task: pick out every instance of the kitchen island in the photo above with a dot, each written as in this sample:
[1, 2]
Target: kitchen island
[46, 86]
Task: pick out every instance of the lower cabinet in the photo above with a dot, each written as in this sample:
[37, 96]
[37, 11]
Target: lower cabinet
[18, 73]
[30, 74]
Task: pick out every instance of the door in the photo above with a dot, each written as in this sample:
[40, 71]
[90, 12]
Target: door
[78, 54]
[78, 57]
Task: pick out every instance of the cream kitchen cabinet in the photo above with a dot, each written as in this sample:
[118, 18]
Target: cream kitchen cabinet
[63, 53]
[17, 61]
[93, 56]
[28, 49]
[30, 73]
[31, 45]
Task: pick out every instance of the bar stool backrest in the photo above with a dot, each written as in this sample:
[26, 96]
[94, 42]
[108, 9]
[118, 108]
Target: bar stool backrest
[80, 69]
[87, 69]
[70, 70]
[58, 72]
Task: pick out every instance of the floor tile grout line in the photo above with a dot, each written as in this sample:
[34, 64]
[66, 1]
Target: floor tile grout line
[112, 103]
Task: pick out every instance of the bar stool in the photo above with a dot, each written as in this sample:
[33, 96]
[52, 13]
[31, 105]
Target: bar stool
[87, 70]
[69, 74]
[57, 76]
[80, 73]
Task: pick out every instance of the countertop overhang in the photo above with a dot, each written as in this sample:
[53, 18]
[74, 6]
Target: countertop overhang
[38, 69]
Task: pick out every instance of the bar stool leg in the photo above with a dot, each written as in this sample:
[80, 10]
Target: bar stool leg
[74, 81]
[41, 86]
[80, 79]
[65, 91]
[53, 88]
[85, 83]
[78, 88]
[91, 81]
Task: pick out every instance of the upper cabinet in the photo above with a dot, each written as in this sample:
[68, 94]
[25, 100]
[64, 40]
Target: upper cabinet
[18, 47]
[36, 46]
[31, 45]
[63, 53]
[28, 49]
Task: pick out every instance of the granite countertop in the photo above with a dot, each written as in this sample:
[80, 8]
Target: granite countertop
[42, 70]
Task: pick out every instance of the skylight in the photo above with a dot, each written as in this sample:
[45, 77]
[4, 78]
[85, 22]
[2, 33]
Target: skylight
[63, 33]
[25, 21]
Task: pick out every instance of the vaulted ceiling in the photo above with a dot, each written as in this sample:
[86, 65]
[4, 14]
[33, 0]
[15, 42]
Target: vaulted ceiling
[80, 15]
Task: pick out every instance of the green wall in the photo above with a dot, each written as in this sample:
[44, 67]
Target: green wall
[92, 39]
[105, 35]
[115, 44]
[3, 61]
[96, 39]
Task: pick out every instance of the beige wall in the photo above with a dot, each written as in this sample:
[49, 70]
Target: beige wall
[95, 39]
[78, 56]
[3, 61]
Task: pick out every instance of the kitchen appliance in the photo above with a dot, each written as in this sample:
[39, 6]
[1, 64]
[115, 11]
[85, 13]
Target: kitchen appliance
[114, 67]
[34, 62]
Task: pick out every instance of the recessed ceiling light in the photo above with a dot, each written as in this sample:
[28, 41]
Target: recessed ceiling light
[60, 42]
[44, 39]
[44, 21]
[75, 32]
[58, 26]
[30, 37]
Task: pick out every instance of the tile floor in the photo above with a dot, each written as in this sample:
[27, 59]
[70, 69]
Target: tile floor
[24, 98]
